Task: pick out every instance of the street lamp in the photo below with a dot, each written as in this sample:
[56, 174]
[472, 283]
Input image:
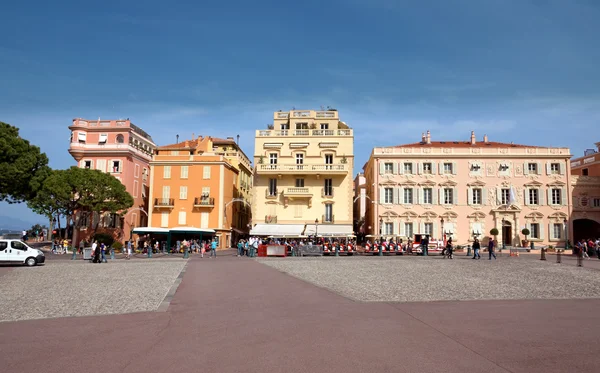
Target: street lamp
[380, 237]
[503, 236]
[316, 227]
[566, 234]
[443, 236]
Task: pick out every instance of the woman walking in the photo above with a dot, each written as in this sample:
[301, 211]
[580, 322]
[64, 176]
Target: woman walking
[476, 248]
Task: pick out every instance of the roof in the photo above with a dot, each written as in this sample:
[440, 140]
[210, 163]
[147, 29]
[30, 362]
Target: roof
[194, 143]
[464, 144]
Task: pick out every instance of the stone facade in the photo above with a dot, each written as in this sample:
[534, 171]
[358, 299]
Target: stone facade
[585, 186]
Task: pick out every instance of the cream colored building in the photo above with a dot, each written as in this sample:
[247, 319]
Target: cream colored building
[303, 175]
[463, 189]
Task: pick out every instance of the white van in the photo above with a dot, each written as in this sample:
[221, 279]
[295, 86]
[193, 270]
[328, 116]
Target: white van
[17, 252]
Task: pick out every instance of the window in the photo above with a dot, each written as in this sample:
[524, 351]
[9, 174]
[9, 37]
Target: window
[557, 229]
[596, 202]
[475, 167]
[476, 196]
[408, 168]
[448, 196]
[299, 183]
[273, 158]
[103, 138]
[145, 174]
[448, 168]
[182, 216]
[532, 168]
[18, 245]
[301, 126]
[534, 230]
[427, 196]
[533, 196]
[120, 139]
[184, 172]
[328, 213]
[204, 219]
[167, 172]
[324, 126]
[556, 196]
[136, 173]
[328, 159]
[428, 228]
[272, 187]
[205, 192]
[112, 221]
[328, 189]
[299, 158]
[388, 195]
[388, 229]
[81, 136]
[505, 196]
[206, 172]
[585, 172]
[3, 245]
[554, 168]
[166, 192]
[175, 152]
[408, 229]
[285, 126]
[116, 166]
[136, 186]
[101, 165]
[164, 220]
[408, 196]
[388, 168]
[298, 211]
[87, 164]
[427, 168]
[183, 192]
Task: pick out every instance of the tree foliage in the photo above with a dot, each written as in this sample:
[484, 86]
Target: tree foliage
[23, 167]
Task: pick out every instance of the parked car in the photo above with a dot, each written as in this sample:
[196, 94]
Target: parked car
[17, 252]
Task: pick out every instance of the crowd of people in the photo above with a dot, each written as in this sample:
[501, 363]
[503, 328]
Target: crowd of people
[587, 247]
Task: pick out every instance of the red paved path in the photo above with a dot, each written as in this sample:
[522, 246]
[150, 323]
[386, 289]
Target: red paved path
[236, 315]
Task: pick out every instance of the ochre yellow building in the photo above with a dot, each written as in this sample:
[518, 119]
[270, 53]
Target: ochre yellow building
[303, 175]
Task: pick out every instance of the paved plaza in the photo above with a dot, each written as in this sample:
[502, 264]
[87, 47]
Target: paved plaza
[78, 288]
[419, 279]
[239, 315]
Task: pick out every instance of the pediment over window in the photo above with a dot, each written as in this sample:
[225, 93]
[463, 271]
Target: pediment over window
[273, 145]
[477, 215]
[449, 215]
[534, 215]
[427, 183]
[407, 183]
[448, 183]
[390, 214]
[558, 215]
[507, 208]
[476, 183]
[388, 183]
[409, 214]
[556, 183]
[533, 184]
[429, 214]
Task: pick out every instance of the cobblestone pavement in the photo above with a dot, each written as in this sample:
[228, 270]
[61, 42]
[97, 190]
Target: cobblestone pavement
[417, 279]
[79, 288]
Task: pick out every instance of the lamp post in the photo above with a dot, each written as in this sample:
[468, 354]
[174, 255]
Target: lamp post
[380, 237]
[316, 229]
[443, 236]
[503, 237]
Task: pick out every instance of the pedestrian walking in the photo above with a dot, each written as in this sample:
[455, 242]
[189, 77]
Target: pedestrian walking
[254, 248]
[476, 248]
[95, 252]
[81, 246]
[240, 248]
[128, 256]
[103, 252]
[492, 249]
[213, 248]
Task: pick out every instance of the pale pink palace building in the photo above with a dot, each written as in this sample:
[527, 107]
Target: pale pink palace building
[124, 150]
[463, 189]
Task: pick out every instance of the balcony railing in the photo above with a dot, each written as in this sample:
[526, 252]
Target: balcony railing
[110, 147]
[326, 192]
[303, 167]
[271, 193]
[305, 133]
[204, 201]
[295, 191]
[269, 219]
[328, 219]
[164, 202]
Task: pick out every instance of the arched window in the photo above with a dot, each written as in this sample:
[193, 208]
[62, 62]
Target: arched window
[120, 139]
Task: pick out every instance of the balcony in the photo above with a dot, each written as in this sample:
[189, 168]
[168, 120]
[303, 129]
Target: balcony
[304, 133]
[328, 219]
[326, 192]
[78, 147]
[303, 168]
[270, 219]
[297, 192]
[204, 202]
[271, 194]
[164, 202]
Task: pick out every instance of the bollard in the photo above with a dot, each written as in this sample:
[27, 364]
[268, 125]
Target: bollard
[468, 250]
[177, 248]
[112, 254]
[425, 250]
[74, 256]
[149, 252]
[380, 250]
[558, 256]
[164, 247]
[580, 258]
[186, 252]
[337, 250]
[543, 254]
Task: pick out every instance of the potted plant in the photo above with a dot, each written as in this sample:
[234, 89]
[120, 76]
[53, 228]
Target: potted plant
[525, 233]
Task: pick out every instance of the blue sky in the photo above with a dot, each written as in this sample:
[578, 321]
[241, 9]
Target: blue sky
[517, 70]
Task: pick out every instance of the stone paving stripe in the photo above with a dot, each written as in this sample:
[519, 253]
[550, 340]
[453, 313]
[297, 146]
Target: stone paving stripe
[164, 305]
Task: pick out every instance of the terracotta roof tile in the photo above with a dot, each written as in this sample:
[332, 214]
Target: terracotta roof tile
[463, 144]
[181, 145]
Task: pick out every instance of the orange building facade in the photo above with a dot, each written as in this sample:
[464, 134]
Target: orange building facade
[193, 187]
[124, 150]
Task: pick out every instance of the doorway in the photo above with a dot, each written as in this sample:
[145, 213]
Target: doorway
[506, 233]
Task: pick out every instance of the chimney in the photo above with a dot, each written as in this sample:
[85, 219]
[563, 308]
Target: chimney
[428, 139]
[187, 143]
[423, 137]
[485, 139]
[473, 138]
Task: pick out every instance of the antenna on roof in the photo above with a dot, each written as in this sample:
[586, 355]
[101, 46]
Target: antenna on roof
[177, 139]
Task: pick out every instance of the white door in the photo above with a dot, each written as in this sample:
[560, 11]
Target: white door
[4, 252]
[19, 251]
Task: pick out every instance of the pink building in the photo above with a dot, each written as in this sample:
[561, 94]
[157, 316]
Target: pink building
[586, 194]
[360, 202]
[124, 150]
[463, 189]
